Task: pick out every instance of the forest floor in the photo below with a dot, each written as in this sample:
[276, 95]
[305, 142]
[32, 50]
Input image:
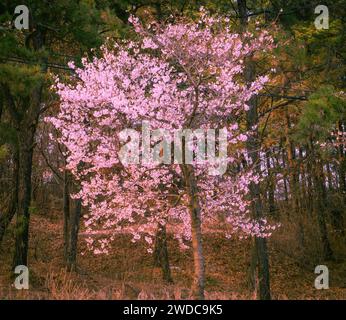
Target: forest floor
[128, 272]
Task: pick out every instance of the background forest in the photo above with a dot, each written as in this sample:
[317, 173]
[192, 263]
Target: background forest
[298, 146]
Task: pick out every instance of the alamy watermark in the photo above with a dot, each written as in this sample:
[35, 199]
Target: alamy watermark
[22, 20]
[322, 20]
[322, 281]
[190, 147]
[22, 280]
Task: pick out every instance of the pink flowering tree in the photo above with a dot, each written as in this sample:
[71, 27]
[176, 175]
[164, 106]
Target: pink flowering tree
[122, 123]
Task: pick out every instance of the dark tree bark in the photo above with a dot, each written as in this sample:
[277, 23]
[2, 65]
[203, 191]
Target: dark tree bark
[294, 181]
[7, 216]
[292, 165]
[253, 147]
[329, 177]
[270, 186]
[342, 161]
[303, 194]
[337, 219]
[161, 258]
[73, 237]
[318, 178]
[66, 212]
[26, 144]
[310, 185]
[284, 162]
[25, 119]
[25, 115]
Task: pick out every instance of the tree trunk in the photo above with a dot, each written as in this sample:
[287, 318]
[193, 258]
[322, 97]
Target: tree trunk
[195, 216]
[303, 194]
[321, 210]
[310, 184]
[161, 258]
[25, 115]
[26, 142]
[253, 147]
[73, 237]
[251, 277]
[291, 156]
[294, 182]
[6, 217]
[342, 162]
[329, 177]
[270, 187]
[285, 173]
[66, 212]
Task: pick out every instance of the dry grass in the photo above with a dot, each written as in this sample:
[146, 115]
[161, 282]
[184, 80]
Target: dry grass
[128, 272]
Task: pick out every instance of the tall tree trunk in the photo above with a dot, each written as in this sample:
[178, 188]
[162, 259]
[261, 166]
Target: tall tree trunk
[66, 212]
[303, 195]
[329, 177]
[196, 233]
[321, 201]
[161, 258]
[285, 173]
[294, 181]
[73, 237]
[6, 217]
[342, 162]
[292, 169]
[310, 184]
[271, 186]
[26, 120]
[251, 276]
[26, 144]
[253, 147]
